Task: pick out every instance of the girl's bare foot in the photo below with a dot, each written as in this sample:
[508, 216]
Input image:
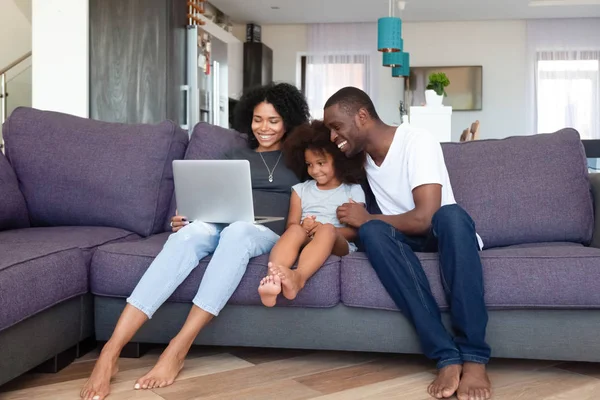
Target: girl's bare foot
[97, 386]
[269, 289]
[291, 281]
[166, 369]
[446, 383]
[474, 384]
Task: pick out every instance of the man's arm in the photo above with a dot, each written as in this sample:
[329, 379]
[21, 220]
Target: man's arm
[417, 222]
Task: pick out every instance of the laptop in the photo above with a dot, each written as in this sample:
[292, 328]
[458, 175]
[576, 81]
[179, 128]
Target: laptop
[215, 191]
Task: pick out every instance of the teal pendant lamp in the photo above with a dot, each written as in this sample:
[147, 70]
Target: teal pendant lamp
[394, 59]
[389, 34]
[403, 70]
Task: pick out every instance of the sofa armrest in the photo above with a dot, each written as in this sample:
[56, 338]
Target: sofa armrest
[595, 183]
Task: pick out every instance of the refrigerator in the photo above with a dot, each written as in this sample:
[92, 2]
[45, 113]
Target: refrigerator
[206, 89]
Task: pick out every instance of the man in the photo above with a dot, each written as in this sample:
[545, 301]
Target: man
[408, 176]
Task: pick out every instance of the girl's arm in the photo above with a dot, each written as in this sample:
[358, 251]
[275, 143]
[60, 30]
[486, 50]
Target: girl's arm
[350, 234]
[295, 213]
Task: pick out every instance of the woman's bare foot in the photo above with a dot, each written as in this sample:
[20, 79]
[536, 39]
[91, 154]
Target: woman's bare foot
[97, 386]
[291, 281]
[169, 364]
[269, 289]
[446, 383]
[475, 383]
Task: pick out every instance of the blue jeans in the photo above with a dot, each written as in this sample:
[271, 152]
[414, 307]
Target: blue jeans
[392, 255]
[232, 245]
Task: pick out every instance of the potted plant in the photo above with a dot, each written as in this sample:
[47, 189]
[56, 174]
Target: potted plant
[435, 93]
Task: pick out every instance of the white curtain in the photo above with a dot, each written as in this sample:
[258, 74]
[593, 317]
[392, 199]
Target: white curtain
[564, 75]
[339, 55]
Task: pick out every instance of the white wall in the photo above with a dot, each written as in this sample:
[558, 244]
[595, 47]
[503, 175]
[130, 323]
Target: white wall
[60, 47]
[498, 46]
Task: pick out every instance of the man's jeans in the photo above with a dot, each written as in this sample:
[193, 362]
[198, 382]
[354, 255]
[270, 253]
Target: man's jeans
[392, 255]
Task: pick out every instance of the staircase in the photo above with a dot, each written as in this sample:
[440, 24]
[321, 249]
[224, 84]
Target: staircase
[15, 57]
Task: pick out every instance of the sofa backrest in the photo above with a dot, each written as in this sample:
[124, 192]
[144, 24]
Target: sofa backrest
[77, 171]
[524, 189]
[208, 142]
[13, 211]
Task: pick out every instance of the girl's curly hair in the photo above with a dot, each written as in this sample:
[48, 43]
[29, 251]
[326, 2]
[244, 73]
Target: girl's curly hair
[316, 137]
[287, 100]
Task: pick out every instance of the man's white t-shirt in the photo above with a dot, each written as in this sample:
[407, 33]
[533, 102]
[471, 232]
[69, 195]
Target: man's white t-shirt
[415, 158]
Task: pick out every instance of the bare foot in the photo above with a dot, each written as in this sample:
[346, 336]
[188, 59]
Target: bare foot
[269, 289]
[98, 386]
[474, 384]
[169, 364]
[291, 281]
[446, 383]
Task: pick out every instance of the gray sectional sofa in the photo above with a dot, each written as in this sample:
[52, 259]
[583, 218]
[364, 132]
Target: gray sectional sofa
[85, 205]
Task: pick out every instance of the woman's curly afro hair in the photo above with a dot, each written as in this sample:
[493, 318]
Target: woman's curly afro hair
[316, 137]
[287, 100]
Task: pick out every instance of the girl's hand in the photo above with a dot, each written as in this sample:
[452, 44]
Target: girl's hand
[178, 222]
[314, 228]
[308, 222]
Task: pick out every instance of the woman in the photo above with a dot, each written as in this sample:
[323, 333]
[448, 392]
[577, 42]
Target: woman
[266, 114]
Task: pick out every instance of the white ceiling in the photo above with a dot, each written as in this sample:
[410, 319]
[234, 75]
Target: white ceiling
[315, 11]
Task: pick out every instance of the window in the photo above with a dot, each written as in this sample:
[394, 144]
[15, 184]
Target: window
[323, 75]
[568, 92]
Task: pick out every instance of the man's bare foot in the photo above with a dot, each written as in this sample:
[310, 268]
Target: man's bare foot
[291, 281]
[446, 383]
[97, 386]
[169, 364]
[269, 289]
[474, 384]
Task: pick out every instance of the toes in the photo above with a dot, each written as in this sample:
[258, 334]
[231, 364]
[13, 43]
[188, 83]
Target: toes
[137, 386]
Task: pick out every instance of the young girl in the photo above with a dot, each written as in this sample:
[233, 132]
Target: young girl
[313, 230]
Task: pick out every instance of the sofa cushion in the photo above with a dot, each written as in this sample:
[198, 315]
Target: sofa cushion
[524, 189]
[36, 276]
[77, 171]
[13, 211]
[86, 238]
[117, 268]
[547, 275]
[208, 142]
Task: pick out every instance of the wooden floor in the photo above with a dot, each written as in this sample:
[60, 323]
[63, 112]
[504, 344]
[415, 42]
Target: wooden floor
[239, 373]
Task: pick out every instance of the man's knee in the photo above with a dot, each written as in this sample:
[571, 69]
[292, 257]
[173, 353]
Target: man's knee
[373, 231]
[450, 216]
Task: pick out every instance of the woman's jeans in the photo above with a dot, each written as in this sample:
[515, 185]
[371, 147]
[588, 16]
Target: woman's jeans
[232, 247]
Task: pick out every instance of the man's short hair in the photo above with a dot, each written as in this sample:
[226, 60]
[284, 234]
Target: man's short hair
[351, 99]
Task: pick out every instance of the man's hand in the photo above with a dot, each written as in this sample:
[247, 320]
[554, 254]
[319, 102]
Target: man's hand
[353, 214]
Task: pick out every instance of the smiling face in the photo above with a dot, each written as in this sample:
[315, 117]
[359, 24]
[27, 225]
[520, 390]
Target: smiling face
[268, 127]
[320, 167]
[345, 130]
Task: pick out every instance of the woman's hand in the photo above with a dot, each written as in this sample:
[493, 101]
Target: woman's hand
[178, 222]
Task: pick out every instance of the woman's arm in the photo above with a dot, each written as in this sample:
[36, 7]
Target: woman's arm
[295, 213]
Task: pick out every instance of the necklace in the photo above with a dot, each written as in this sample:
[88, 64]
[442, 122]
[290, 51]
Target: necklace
[270, 171]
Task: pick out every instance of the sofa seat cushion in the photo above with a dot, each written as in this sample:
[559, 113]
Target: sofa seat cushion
[79, 171]
[86, 238]
[547, 275]
[13, 211]
[36, 276]
[117, 268]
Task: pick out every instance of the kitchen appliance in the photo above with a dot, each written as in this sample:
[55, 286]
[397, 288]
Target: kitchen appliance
[205, 92]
